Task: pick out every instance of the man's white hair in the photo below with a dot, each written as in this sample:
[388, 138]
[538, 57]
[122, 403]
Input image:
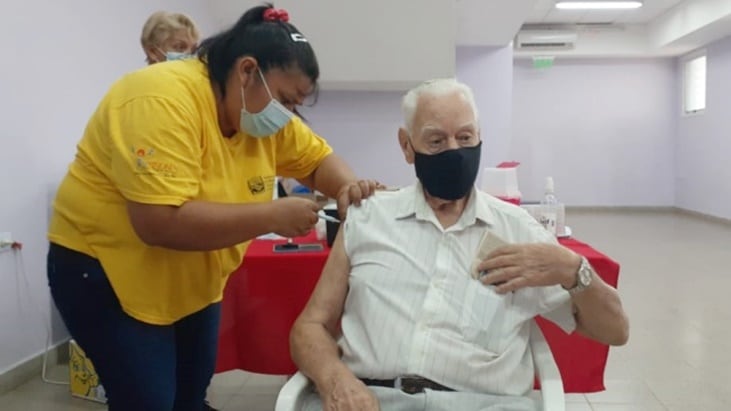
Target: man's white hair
[437, 87]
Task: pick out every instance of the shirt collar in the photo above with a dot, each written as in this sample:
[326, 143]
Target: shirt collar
[414, 205]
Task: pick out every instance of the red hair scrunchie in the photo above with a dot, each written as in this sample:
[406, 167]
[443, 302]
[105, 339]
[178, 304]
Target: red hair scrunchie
[276, 15]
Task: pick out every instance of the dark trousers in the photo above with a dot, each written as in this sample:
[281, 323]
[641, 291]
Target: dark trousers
[142, 367]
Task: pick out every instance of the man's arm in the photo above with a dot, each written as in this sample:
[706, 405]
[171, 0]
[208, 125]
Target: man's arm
[597, 309]
[312, 340]
[599, 313]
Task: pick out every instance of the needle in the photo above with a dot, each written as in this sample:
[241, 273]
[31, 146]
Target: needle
[328, 218]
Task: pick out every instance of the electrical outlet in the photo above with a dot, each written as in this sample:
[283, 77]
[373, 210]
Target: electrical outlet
[6, 241]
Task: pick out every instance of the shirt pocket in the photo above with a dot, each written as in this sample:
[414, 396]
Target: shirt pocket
[485, 319]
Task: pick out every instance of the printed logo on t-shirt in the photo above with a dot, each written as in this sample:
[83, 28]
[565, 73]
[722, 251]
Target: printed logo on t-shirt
[259, 185]
[146, 164]
[256, 185]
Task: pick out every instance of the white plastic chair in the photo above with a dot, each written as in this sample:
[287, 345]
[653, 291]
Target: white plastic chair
[292, 395]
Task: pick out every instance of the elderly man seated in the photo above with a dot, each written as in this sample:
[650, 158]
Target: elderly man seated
[400, 294]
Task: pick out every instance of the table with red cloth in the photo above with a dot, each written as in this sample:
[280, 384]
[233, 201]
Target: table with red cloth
[266, 294]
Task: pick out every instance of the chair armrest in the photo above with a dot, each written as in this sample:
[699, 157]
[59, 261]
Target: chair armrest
[552, 394]
[292, 395]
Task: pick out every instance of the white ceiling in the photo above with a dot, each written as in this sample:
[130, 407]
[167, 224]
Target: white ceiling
[490, 22]
[545, 12]
[659, 28]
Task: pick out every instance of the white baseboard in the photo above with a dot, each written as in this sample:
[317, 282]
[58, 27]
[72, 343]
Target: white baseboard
[31, 368]
[703, 216]
[650, 209]
[644, 209]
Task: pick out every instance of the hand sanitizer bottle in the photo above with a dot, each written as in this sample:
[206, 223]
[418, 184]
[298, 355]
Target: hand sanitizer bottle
[552, 212]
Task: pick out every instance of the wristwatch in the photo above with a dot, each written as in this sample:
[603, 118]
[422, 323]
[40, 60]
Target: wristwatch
[583, 277]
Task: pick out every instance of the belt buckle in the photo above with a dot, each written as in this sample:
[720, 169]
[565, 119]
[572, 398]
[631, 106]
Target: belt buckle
[398, 384]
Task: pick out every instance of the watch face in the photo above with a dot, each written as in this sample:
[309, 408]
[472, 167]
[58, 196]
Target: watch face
[585, 276]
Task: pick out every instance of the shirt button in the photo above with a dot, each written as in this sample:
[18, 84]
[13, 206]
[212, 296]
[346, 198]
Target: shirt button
[85, 275]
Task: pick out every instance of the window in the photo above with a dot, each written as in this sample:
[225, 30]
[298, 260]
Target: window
[694, 85]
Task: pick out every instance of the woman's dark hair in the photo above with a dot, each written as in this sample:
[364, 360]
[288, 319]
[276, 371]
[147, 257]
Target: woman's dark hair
[274, 44]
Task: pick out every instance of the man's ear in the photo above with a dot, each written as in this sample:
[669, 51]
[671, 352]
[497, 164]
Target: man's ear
[405, 143]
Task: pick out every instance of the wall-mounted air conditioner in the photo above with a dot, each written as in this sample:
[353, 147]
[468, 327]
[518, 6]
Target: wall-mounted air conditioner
[545, 40]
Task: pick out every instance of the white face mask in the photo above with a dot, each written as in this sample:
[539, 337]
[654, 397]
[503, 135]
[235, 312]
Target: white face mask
[266, 122]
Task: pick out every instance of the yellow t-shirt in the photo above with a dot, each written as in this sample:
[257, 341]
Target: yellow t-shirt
[155, 139]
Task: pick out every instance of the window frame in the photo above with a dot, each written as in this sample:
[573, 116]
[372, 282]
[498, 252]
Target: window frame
[685, 61]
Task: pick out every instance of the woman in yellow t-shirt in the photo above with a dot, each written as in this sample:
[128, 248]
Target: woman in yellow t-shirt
[172, 178]
[166, 37]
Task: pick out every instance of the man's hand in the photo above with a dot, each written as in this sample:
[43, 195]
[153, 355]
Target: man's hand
[353, 193]
[347, 393]
[530, 265]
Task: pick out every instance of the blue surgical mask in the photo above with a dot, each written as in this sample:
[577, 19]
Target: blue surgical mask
[266, 122]
[175, 55]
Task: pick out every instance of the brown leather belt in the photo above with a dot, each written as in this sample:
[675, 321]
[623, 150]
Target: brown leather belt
[409, 385]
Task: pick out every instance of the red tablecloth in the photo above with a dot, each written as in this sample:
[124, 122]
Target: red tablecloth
[266, 294]
[580, 360]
